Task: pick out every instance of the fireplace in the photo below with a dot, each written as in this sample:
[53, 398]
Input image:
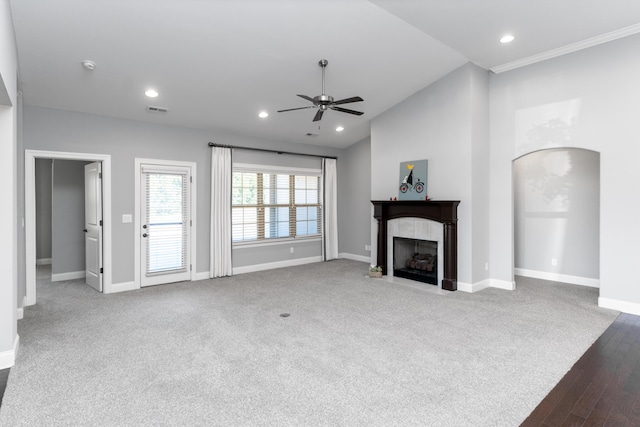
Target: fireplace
[415, 259]
[441, 221]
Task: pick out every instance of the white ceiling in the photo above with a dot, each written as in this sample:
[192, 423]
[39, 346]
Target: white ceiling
[217, 63]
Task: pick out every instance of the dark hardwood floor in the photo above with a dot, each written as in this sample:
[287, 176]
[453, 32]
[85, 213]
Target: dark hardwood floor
[603, 387]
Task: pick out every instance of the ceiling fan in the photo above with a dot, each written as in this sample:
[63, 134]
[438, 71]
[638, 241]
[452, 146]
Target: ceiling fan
[324, 102]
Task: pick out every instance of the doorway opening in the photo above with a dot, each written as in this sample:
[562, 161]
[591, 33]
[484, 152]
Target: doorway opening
[30, 215]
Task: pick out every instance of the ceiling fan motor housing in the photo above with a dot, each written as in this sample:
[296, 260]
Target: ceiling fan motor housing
[322, 99]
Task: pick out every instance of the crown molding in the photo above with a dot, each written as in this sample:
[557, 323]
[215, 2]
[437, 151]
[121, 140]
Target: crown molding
[574, 47]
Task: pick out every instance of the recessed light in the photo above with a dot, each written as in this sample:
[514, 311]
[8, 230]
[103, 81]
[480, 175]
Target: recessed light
[263, 114]
[339, 129]
[89, 64]
[507, 38]
[151, 93]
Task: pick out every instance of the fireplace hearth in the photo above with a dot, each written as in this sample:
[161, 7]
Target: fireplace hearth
[444, 212]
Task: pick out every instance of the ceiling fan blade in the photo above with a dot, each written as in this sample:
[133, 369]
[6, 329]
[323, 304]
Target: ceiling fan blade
[318, 116]
[300, 108]
[308, 98]
[344, 110]
[346, 100]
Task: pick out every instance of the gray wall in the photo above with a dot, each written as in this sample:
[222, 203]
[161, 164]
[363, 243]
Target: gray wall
[125, 140]
[9, 173]
[588, 99]
[480, 236]
[557, 212]
[245, 256]
[354, 199]
[446, 124]
[43, 208]
[67, 213]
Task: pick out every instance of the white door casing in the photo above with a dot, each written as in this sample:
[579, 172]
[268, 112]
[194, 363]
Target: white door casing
[93, 224]
[164, 218]
[137, 217]
[30, 215]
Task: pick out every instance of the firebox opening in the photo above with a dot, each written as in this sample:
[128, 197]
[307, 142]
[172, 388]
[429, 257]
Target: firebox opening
[415, 259]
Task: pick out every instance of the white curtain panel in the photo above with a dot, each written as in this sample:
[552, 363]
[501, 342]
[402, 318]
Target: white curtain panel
[220, 263]
[330, 235]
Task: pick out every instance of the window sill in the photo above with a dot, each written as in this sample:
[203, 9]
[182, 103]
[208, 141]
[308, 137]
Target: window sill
[243, 245]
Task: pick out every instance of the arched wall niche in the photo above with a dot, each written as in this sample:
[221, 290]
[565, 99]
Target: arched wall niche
[556, 206]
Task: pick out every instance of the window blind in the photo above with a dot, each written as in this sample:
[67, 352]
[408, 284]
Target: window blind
[166, 221]
[271, 205]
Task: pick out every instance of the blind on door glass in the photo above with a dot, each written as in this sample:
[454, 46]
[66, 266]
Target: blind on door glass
[167, 222]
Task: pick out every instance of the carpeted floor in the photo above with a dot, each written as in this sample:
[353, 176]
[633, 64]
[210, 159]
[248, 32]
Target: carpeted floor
[354, 351]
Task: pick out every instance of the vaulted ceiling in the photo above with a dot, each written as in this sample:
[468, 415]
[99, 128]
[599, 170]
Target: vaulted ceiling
[216, 64]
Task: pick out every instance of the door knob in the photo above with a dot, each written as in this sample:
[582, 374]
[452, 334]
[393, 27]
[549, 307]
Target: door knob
[85, 230]
[144, 235]
[144, 226]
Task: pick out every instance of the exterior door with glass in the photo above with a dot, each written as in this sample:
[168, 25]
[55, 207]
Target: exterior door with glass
[166, 224]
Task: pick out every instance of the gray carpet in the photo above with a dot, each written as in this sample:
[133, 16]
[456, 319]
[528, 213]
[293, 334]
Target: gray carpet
[355, 351]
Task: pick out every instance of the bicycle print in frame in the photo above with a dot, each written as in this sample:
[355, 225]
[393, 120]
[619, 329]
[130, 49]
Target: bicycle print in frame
[413, 180]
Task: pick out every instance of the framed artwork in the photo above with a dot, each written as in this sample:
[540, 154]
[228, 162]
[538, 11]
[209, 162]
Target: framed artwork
[413, 180]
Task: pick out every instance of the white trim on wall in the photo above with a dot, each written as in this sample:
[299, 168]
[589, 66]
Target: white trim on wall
[277, 264]
[623, 306]
[355, 257]
[202, 275]
[249, 167]
[20, 310]
[507, 285]
[556, 277]
[474, 287]
[71, 275]
[137, 267]
[122, 287]
[30, 157]
[570, 48]
[8, 358]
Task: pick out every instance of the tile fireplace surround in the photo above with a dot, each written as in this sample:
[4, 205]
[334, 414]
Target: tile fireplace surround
[444, 212]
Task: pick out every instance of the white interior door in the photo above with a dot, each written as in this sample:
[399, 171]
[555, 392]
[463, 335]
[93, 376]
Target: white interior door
[166, 224]
[93, 224]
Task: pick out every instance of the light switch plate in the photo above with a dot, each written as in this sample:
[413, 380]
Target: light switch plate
[126, 218]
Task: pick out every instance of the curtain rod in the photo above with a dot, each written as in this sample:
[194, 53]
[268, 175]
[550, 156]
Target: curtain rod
[213, 144]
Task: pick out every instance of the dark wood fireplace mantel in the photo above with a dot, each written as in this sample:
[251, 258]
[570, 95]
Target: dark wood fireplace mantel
[445, 212]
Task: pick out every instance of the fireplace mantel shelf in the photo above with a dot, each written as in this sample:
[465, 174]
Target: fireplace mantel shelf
[444, 211]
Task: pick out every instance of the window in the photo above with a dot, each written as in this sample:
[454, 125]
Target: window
[275, 205]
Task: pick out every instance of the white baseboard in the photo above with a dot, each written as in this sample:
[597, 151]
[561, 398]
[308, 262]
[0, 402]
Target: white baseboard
[277, 264]
[203, 275]
[354, 257]
[72, 275]
[484, 284]
[120, 287]
[44, 261]
[473, 287]
[464, 287]
[508, 285]
[8, 358]
[623, 306]
[555, 277]
[20, 310]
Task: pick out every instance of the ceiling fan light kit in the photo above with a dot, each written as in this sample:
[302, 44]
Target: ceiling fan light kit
[325, 102]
